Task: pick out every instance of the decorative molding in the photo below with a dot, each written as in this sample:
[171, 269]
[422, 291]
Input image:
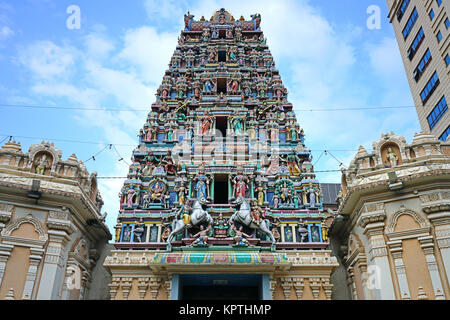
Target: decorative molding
[113, 287]
[143, 284]
[28, 219]
[417, 217]
[299, 286]
[435, 202]
[5, 212]
[126, 287]
[286, 284]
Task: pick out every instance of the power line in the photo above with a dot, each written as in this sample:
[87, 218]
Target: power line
[134, 145]
[146, 109]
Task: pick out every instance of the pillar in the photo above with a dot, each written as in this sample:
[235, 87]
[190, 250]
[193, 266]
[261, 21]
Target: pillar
[52, 271]
[5, 253]
[396, 251]
[373, 224]
[35, 258]
[265, 287]
[427, 245]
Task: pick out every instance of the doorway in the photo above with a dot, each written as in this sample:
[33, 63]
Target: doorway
[220, 287]
[221, 189]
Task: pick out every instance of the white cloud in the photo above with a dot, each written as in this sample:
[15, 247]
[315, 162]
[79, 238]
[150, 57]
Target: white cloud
[148, 52]
[47, 60]
[5, 32]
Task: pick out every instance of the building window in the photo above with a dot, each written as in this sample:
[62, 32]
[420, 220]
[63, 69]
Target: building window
[439, 36]
[439, 2]
[402, 9]
[447, 23]
[410, 24]
[430, 87]
[445, 135]
[416, 44]
[447, 60]
[431, 14]
[423, 64]
[437, 113]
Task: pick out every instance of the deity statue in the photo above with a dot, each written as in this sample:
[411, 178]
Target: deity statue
[206, 123]
[234, 86]
[260, 191]
[293, 132]
[201, 184]
[181, 191]
[240, 184]
[158, 190]
[257, 213]
[146, 200]
[312, 196]
[240, 236]
[275, 231]
[232, 56]
[293, 160]
[220, 227]
[285, 193]
[202, 236]
[237, 123]
[187, 20]
[130, 195]
[275, 201]
[41, 165]
[212, 56]
[164, 94]
[208, 86]
[392, 157]
[206, 34]
[229, 34]
[170, 134]
[302, 230]
[169, 165]
[139, 231]
[274, 165]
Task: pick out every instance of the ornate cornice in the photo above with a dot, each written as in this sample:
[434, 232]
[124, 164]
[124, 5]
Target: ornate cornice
[371, 213]
[5, 212]
[59, 220]
[436, 201]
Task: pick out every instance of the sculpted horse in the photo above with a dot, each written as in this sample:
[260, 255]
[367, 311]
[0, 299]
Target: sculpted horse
[198, 216]
[244, 217]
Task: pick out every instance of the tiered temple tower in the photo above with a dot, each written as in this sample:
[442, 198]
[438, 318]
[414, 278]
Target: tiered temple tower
[221, 192]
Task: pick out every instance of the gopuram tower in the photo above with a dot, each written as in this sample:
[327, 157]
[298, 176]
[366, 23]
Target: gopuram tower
[221, 200]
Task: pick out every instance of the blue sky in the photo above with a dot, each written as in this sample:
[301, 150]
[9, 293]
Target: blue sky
[327, 56]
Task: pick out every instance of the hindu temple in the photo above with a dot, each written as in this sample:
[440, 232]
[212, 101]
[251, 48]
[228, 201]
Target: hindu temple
[221, 200]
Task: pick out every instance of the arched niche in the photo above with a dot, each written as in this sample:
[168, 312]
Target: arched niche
[406, 219]
[42, 163]
[385, 151]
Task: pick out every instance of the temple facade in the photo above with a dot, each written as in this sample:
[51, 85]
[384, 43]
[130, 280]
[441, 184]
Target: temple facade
[392, 227]
[53, 238]
[221, 200]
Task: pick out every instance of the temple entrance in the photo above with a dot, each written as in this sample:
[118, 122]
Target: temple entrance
[220, 287]
[221, 189]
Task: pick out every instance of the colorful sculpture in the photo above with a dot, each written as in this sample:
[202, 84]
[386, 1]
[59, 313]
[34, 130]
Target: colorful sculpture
[182, 175]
